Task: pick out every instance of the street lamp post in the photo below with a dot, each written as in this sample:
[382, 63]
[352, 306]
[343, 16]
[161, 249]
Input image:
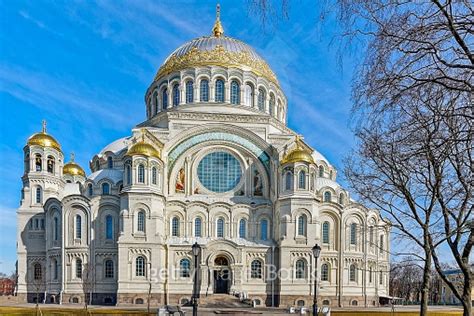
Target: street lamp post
[196, 249]
[316, 252]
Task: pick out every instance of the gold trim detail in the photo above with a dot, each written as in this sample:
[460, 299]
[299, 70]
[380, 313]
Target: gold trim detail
[218, 56]
[143, 149]
[218, 30]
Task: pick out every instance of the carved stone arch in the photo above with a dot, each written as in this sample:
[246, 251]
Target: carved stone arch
[201, 75]
[237, 76]
[301, 210]
[231, 133]
[224, 248]
[140, 206]
[219, 72]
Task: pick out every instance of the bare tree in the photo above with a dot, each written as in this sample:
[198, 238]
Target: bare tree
[88, 281]
[413, 118]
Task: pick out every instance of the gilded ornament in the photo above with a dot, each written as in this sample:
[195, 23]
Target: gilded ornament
[218, 56]
[299, 154]
[73, 169]
[43, 139]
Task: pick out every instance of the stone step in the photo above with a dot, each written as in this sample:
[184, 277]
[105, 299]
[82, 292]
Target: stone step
[222, 301]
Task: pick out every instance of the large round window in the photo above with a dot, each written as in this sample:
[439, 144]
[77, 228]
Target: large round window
[219, 172]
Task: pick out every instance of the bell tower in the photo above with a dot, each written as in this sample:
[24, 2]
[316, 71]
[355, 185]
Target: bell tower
[42, 176]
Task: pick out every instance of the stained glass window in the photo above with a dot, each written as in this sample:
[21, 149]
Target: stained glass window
[325, 272]
[140, 266]
[302, 225]
[242, 228]
[326, 232]
[353, 234]
[234, 92]
[78, 227]
[189, 91]
[108, 227]
[198, 227]
[175, 95]
[219, 90]
[184, 268]
[220, 227]
[164, 99]
[219, 172]
[300, 269]
[141, 221]
[204, 90]
[261, 99]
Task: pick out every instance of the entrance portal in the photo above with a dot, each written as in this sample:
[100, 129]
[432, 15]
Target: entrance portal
[222, 275]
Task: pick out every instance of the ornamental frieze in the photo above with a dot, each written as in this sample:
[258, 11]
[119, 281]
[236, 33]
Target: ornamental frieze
[218, 56]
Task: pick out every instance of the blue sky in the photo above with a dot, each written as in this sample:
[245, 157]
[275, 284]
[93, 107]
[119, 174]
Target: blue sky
[84, 67]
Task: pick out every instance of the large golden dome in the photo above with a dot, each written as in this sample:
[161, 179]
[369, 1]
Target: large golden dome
[299, 154]
[73, 169]
[216, 50]
[44, 140]
[143, 149]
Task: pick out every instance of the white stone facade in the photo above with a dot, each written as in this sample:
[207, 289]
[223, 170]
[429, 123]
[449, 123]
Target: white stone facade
[137, 215]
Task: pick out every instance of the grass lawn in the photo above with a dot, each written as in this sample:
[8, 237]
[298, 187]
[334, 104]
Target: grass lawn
[63, 311]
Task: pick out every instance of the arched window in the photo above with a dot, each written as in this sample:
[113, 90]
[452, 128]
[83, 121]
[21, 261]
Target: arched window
[184, 268]
[341, 198]
[164, 99]
[39, 195]
[302, 222]
[326, 227]
[105, 189]
[38, 162]
[50, 164]
[302, 180]
[175, 227]
[175, 95]
[204, 90]
[141, 221]
[300, 269]
[219, 95]
[242, 228]
[38, 271]
[56, 228]
[327, 196]
[381, 243]
[153, 175]
[353, 233]
[324, 272]
[234, 92]
[264, 229]
[55, 269]
[198, 227]
[288, 180]
[109, 227]
[271, 105]
[261, 99]
[109, 269]
[220, 227]
[110, 162]
[141, 173]
[155, 103]
[249, 95]
[352, 273]
[140, 266]
[90, 190]
[381, 277]
[189, 91]
[256, 269]
[321, 171]
[79, 268]
[128, 171]
[78, 227]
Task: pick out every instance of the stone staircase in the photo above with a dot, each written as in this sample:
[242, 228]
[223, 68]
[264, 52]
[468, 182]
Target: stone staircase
[217, 301]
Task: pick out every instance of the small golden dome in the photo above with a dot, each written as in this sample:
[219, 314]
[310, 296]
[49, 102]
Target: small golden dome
[44, 140]
[73, 169]
[144, 149]
[299, 154]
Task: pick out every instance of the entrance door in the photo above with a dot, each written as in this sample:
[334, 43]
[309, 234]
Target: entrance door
[221, 275]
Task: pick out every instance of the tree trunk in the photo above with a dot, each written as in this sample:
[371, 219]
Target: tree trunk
[466, 299]
[425, 285]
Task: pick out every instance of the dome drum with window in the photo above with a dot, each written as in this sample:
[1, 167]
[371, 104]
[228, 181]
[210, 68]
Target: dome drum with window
[210, 64]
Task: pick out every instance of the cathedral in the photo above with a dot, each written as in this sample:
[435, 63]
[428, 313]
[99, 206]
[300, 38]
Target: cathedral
[213, 163]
